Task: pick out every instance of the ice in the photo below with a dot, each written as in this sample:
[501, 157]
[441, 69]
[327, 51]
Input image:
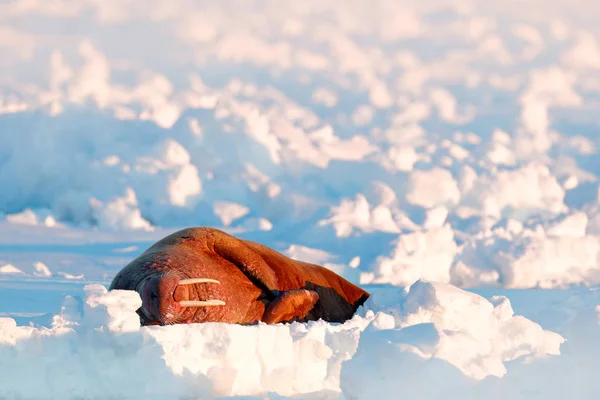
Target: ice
[438, 331]
[520, 257]
[432, 188]
[42, 269]
[358, 213]
[426, 254]
[584, 53]
[97, 341]
[8, 269]
[228, 211]
[444, 155]
[119, 213]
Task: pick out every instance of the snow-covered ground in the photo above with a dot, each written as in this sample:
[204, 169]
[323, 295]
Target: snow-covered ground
[442, 154]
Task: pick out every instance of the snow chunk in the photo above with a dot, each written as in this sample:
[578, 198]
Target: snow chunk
[359, 214]
[532, 136]
[379, 95]
[326, 97]
[426, 254]
[42, 270]
[170, 174]
[254, 224]
[332, 147]
[256, 181]
[518, 192]
[307, 254]
[474, 275]
[229, 211]
[172, 153]
[435, 217]
[516, 257]
[30, 217]
[382, 194]
[399, 158]
[432, 188]
[584, 54]
[550, 262]
[26, 217]
[120, 214]
[184, 185]
[363, 115]
[573, 225]
[66, 275]
[498, 151]
[551, 86]
[115, 309]
[446, 105]
[91, 81]
[9, 269]
[439, 331]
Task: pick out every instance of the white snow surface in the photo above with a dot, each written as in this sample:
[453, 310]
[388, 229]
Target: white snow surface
[95, 348]
[443, 154]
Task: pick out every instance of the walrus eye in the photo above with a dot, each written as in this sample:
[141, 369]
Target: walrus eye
[197, 280]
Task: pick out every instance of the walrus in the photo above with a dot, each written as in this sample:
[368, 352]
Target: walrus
[206, 275]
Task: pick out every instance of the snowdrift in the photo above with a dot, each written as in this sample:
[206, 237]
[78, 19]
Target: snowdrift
[95, 349]
[449, 148]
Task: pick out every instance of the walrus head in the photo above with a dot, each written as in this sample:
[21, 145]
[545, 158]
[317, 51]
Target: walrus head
[166, 298]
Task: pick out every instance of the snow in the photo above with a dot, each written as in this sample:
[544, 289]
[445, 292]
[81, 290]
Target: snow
[42, 270]
[358, 213]
[443, 155]
[426, 254]
[95, 347]
[442, 323]
[9, 269]
[120, 213]
[432, 188]
[228, 211]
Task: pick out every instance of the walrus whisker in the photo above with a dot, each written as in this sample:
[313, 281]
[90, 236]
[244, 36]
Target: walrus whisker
[191, 281]
[198, 303]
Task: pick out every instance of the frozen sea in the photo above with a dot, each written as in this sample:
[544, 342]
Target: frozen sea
[442, 155]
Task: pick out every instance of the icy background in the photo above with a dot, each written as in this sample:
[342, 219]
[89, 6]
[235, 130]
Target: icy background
[442, 154]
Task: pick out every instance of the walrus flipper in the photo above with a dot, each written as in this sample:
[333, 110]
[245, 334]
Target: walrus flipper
[247, 260]
[290, 305]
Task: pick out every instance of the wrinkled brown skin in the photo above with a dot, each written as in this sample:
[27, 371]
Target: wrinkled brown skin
[257, 283]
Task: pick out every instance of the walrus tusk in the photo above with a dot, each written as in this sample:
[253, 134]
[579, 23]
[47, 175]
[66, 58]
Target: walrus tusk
[197, 280]
[198, 303]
